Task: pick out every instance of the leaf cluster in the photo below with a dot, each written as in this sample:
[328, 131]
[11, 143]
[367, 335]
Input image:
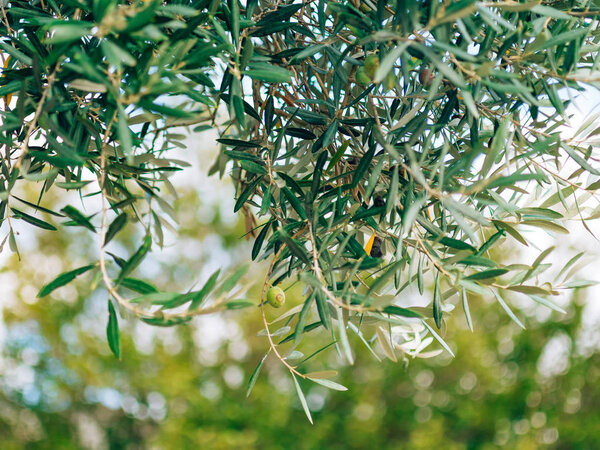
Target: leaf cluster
[373, 145]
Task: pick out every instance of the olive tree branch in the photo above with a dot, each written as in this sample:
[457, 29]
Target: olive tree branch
[106, 279]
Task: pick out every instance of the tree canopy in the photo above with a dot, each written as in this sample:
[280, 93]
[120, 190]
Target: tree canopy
[373, 146]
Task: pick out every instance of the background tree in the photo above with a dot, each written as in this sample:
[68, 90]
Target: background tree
[381, 145]
[185, 386]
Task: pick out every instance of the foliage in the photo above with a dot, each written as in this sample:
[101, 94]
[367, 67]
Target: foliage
[61, 387]
[431, 130]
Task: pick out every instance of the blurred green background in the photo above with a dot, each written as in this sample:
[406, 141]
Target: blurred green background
[184, 387]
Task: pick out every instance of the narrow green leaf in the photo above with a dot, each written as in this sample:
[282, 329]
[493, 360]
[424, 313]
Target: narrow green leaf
[512, 231]
[246, 194]
[157, 298]
[238, 143]
[135, 259]
[38, 207]
[302, 318]
[300, 133]
[392, 197]
[329, 384]
[281, 14]
[547, 303]
[294, 248]
[374, 178]
[229, 282]
[362, 167]
[561, 38]
[116, 226]
[498, 144]
[255, 373]
[302, 399]
[124, 132]
[486, 274]
[306, 53]
[456, 244]
[252, 167]
[364, 341]
[199, 296]
[547, 225]
[139, 286]
[570, 263]
[78, 217]
[548, 11]
[239, 304]
[385, 344]
[382, 280]
[64, 32]
[465, 303]
[164, 321]
[344, 338]
[437, 303]
[269, 73]
[579, 160]
[15, 53]
[527, 289]
[472, 260]
[541, 212]
[399, 311]
[72, 185]
[420, 282]
[32, 220]
[112, 331]
[438, 338]
[294, 202]
[63, 279]
[116, 55]
[259, 240]
[508, 310]
[316, 183]
[323, 310]
[326, 138]
[579, 284]
[316, 352]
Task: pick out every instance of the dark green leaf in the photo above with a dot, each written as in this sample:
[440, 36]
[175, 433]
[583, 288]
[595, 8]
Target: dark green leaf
[362, 167]
[112, 331]
[437, 303]
[78, 217]
[486, 274]
[138, 285]
[32, 220]
[116, 226]
[246, 194]
[399, 311]
[199, 296]
[62, 279]
[255, 373]
[135, 259]
[294, 202]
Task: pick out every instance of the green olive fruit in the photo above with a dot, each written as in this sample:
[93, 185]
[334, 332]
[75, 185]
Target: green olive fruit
[276, 297]
[362, 78]
[371, 65]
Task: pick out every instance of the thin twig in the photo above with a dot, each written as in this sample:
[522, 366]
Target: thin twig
[38, 112]
[106, 279]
